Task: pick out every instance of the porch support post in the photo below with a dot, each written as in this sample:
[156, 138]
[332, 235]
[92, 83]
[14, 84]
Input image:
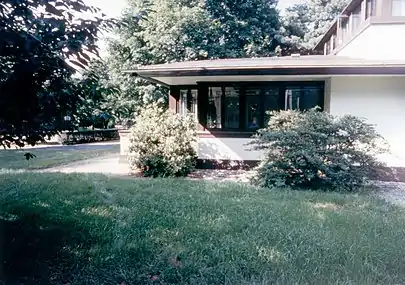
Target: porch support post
[174, 95]
[202, 107]
[124, 144]
[327, 95]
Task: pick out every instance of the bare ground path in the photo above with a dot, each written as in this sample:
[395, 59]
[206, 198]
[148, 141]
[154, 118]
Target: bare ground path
[393, 192]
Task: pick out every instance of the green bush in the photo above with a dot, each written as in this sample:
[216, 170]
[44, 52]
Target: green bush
[161, 143]
[314, 149]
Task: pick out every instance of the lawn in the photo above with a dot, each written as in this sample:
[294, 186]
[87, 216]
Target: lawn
[53, 156]
[93, 229]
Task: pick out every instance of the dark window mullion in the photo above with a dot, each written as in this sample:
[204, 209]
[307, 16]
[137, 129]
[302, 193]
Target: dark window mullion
[223, 107]
[202, 106]
[281, 97]
[242, 108]
[261, 106]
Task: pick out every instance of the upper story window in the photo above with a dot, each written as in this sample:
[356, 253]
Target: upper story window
[370, 8]
[398, 7]
[344, 30]
[356, 18]
[334, 40]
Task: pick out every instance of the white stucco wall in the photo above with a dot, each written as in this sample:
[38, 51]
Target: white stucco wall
[379, 99]
[378, 41]
[226, 149]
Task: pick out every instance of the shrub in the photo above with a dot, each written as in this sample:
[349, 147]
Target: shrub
[161, 143]
[314, 149]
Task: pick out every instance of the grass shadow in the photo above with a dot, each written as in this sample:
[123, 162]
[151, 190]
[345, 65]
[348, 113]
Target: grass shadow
[35, 248]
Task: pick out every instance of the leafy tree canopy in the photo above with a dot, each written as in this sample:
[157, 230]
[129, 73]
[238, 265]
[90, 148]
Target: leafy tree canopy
[36, 87]
[174, 30]
[305, 23]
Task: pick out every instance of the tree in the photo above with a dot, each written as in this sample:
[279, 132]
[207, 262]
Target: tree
[189, 30]
[42, 44]
[295, 27]
[306, 23]
[101, 95]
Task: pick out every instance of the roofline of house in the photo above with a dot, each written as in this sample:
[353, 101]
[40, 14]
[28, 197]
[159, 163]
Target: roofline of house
[152, 74]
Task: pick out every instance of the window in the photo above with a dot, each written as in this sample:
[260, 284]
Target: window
[252, 108]
[292, 98]
[302, 97]
[370, 8]
[356, 18]
[271, 102]
[231, 108]
[214, 108]
[398, 7]
[343, 30]
[333, 42]
[188, 102]
[244, 106]
[327, 47]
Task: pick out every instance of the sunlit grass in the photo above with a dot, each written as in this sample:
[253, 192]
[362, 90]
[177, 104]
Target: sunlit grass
[14, 159]
[92, 229]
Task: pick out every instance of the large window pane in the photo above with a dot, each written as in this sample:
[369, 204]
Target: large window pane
[252, 108]
[398, 7]
[311, 97]
[271, 102]
[232, 97]
[292, 98]
[188, 102]
[214, 107]
[303, 97]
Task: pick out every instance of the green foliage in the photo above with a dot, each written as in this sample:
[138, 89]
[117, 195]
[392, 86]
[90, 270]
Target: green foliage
[162, 143]
[97, 107]
[186, 30]
[305, 23]
[42, 44]
[317, 150]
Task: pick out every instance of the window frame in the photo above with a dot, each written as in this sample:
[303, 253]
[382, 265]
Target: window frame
[203, 87]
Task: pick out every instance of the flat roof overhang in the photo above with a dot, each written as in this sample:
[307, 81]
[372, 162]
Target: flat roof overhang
[265, 69]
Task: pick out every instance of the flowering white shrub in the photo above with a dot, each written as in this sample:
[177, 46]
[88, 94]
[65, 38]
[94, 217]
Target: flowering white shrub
[161, 143]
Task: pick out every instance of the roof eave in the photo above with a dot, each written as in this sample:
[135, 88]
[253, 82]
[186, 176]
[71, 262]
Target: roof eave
[153, 74]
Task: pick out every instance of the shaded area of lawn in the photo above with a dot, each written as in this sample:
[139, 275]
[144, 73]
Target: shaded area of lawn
[53, 156]
[92, 229]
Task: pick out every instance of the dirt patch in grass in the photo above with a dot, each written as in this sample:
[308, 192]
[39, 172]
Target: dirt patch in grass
[328, 206]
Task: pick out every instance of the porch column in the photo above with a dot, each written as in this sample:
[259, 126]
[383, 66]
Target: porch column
[174, 95]
[124, 144]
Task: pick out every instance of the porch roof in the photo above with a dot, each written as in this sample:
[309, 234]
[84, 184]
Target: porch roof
[254, 68]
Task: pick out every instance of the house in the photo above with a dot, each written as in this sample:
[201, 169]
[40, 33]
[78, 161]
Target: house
[362, 72]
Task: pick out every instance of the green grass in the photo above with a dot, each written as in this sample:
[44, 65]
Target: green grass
[53, 156]
[92, 229]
